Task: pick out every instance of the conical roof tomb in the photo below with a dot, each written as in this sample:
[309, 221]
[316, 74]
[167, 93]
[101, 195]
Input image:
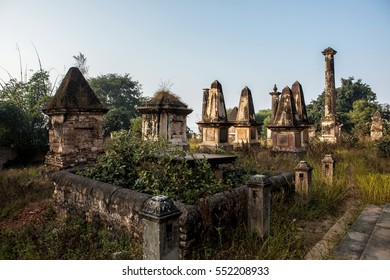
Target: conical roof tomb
[214, 124]
[215, 105]
[74, 94]
[76, 123]
[285, 115]
[300, 106]
[245, 127]
[246, 110]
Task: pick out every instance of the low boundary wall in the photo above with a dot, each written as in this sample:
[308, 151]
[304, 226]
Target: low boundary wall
[120, 208]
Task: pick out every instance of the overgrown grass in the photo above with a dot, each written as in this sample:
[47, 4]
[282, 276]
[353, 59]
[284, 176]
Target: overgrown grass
[360, 176]
[374, 188]
[19, 187]
[286, 239]
[72, 239]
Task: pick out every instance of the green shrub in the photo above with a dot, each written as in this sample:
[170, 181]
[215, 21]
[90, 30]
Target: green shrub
[382, 147]
[154, 167]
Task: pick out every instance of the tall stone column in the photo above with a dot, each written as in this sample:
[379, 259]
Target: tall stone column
[330, 89]
[329, 122]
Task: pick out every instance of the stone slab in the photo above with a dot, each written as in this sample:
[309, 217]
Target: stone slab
[354, 242]
[378, 246]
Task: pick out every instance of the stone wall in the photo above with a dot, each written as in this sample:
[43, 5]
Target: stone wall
[120, 208]
[113, 206]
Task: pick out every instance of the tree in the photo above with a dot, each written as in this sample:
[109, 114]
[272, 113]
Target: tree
[81, 63]
[361, 116]
[121, 94]
[14, 126]
[264, 117]
[29, 97]
[315, 110]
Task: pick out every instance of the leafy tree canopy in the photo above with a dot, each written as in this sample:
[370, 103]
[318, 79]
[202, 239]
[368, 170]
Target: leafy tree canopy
[14, 126]
[264, 117]
[29, 98]
[120, 94]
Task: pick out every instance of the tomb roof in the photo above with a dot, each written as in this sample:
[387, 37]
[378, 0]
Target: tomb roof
[74, 94]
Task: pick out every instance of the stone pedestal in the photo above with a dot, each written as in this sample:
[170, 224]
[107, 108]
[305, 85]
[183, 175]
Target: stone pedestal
[287, 139]
[214, 136]
[303, 179]
[328, 167]
[161, 229]
[330, 129]
[259, 204]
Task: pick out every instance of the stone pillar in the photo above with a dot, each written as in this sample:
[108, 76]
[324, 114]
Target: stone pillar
[206, 92]
[303, 179]
[259, 204]
[330, 126]
[328, 167]
[161, 229]
[275, 102]
[330, 89]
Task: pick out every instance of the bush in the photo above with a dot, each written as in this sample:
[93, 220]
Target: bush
[382, 147]
[153, 167]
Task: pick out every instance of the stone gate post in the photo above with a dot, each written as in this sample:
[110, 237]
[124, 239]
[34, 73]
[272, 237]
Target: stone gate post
[161, 229]
[328, 167]
[303, 179]
[259, 204]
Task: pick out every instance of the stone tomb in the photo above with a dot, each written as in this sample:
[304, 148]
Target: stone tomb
[165, 116]
[214, 125]
[245, 125]
[289, 124]
[76, 123]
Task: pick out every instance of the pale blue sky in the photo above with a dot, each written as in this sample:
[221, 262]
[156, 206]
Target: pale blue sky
[192, 43]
